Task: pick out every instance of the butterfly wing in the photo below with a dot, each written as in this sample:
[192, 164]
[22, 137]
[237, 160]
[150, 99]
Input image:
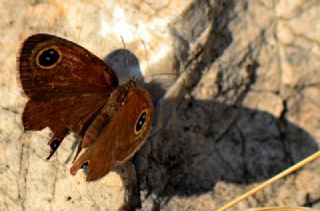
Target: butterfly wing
[72, 69]
[66, 84]
[125, 133]
[137, 121]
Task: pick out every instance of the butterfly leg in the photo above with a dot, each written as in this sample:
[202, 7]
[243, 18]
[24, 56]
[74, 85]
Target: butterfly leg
[78, 151]
[56, 140]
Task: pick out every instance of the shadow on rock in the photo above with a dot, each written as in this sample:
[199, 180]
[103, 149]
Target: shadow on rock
[212, 141]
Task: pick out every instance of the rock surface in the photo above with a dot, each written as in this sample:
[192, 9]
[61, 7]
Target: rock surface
[236, 86]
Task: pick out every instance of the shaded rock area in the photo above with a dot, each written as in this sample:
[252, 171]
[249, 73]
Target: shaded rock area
[235, 84]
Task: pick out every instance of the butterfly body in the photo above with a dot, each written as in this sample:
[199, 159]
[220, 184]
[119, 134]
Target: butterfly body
[115, 100]
[70, 89]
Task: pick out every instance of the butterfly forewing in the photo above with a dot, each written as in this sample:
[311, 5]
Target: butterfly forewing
[75, 71]
[67, 85]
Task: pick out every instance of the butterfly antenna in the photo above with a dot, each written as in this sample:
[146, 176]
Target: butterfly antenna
[148, 64]
[126, 54]
[147, 55]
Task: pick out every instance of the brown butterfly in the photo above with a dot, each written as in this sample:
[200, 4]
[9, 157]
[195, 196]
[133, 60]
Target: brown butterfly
[70, 89]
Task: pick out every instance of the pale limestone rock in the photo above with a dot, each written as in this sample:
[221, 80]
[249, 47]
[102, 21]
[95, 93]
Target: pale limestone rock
[266, 101]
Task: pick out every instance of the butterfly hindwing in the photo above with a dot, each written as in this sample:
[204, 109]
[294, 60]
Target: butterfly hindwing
[121, 137]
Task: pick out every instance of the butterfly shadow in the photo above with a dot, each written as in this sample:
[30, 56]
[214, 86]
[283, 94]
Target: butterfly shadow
[206, 141]
[212, 141]
[201, 142]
